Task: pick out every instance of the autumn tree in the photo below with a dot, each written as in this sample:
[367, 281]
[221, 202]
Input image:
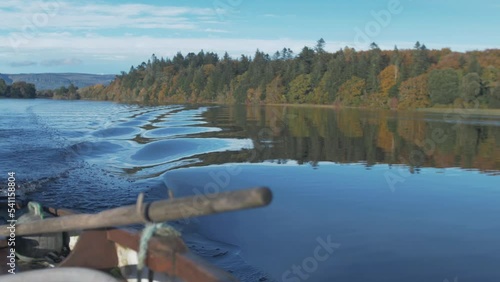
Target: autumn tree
[470, 87]
[388, 79]
[21, 89]
[490, 75]
[494, 98]
[420, 59]
[474, 66]
[375, 66]
[275, 91]
[414, 93]
[443, 86]
[350, 93]
[372, 78]
[300, 88]
[321, 93]
[397, 60]
[452, 60]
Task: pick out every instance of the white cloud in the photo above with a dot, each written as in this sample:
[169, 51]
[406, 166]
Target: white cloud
[66, 15]
[61, 62]
[7, 4]
[216, 30]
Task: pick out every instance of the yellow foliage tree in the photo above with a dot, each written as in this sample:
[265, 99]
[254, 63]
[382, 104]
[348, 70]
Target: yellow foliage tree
[351, 91]
[254, 96]
[300, 89]
[275, 91]
[320, 94]
[414, 93]
[388, 78]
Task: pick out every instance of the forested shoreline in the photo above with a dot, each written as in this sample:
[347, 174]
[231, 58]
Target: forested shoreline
[24, 90]
[396, 79]
[402, 79]
[19, 89]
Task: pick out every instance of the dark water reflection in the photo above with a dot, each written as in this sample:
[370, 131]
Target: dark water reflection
[312, 135]
[407, 196]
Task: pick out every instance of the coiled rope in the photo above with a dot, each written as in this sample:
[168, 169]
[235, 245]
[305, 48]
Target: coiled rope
[35, 208]
[150, 229]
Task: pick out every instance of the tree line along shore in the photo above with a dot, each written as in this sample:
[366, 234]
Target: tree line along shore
[375, 78]
[24, 90]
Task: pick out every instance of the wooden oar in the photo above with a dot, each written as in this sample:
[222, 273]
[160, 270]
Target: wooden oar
[158, 211]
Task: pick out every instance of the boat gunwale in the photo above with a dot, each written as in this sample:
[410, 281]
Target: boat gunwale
[167, 255]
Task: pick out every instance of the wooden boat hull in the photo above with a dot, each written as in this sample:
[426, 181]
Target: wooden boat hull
[112, 248]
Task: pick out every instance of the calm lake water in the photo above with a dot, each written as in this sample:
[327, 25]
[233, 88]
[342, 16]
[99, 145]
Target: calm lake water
[358, 195]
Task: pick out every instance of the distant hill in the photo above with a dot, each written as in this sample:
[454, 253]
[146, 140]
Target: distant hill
[45, 81]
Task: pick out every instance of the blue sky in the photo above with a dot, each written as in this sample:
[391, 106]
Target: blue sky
[109, 36]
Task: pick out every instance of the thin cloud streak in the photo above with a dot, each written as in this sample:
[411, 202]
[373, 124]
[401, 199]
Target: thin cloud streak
[22, 64]
[216, 30]
[65, 15]
[61, 62]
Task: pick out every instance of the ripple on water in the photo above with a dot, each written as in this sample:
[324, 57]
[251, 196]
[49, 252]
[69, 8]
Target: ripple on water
[116, 132]
[176, 131]
[179, 123]
[136, 123]
[94, 149]
[175, 149]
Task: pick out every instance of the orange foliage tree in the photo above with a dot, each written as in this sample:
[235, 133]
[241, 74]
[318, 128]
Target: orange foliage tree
[388, 78]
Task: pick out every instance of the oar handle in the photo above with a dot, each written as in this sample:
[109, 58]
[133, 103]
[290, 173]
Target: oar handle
[158, 211]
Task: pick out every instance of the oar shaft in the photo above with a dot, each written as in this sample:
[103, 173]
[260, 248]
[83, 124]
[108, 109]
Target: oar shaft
[159, 211]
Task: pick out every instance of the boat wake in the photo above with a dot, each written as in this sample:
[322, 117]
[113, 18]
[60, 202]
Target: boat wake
[27, 187]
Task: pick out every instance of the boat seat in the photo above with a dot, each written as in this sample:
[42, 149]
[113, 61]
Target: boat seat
[63, 274]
